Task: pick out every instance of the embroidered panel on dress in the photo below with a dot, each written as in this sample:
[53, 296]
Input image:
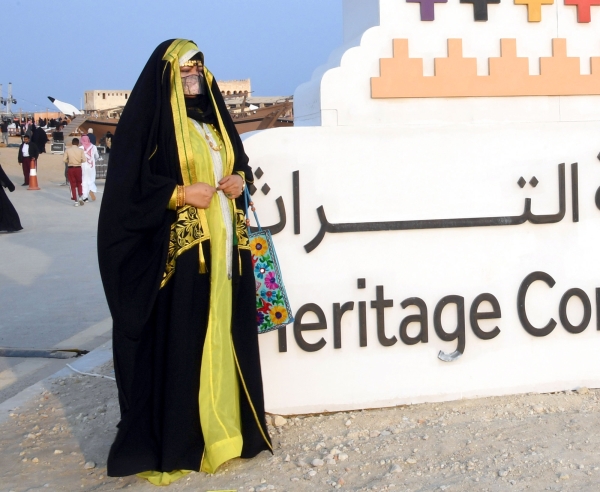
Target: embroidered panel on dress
[241, 230]
[190, 229]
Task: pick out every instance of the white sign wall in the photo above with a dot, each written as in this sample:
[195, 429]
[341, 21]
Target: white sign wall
[415, 166]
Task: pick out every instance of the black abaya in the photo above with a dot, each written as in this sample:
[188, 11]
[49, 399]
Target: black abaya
[9, 218]
[39, 138]
[158, 333]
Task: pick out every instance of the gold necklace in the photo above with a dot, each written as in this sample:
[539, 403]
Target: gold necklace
[210, 143]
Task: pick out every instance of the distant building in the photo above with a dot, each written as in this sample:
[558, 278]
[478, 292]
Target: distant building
[239, 103]
[113, 101]
[234, 87]
[103, 100]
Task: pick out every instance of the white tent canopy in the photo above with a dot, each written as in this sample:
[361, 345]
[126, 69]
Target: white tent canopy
[64, 107]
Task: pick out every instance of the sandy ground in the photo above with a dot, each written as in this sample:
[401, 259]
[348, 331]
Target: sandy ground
[59, 441]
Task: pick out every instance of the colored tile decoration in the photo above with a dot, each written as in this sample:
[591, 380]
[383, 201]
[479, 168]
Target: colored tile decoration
[456, 76]
[534, 8]
[584, 13]
[427, 8]
[480, 8]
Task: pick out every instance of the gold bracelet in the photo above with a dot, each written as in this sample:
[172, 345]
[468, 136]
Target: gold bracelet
[183, 196]
[180, 196]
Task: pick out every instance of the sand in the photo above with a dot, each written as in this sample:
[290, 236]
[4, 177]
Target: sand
[60, 440]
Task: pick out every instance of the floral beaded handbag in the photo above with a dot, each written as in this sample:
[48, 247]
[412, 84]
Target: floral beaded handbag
[273, 309]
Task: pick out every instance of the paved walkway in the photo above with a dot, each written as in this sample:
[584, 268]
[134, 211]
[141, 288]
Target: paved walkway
[49, 280]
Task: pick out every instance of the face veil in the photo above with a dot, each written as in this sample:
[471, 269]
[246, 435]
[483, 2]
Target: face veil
[192, 73]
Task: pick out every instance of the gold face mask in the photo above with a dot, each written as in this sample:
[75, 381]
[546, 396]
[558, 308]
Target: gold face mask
[192, 78]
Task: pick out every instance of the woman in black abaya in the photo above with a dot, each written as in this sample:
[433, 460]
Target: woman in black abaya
[177, 272]
[40, 139]
[9, 218]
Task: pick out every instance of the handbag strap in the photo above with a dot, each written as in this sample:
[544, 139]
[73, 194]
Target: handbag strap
[248, 200]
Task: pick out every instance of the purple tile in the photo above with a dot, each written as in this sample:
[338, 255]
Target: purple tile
[427, 8]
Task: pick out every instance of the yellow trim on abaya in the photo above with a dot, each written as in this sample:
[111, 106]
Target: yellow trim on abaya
[163, 478]
[229, 160]
[219, 396]
[219, 393]
[178, 48]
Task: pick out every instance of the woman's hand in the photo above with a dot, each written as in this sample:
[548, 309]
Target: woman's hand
[232, 186]
[199, 195]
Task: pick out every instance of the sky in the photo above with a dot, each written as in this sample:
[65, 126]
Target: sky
[73, 46]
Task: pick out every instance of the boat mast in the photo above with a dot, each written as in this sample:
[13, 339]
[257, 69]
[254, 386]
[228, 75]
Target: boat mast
[9, 100]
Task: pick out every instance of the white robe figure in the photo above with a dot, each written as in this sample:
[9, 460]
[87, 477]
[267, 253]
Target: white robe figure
[88, 171]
